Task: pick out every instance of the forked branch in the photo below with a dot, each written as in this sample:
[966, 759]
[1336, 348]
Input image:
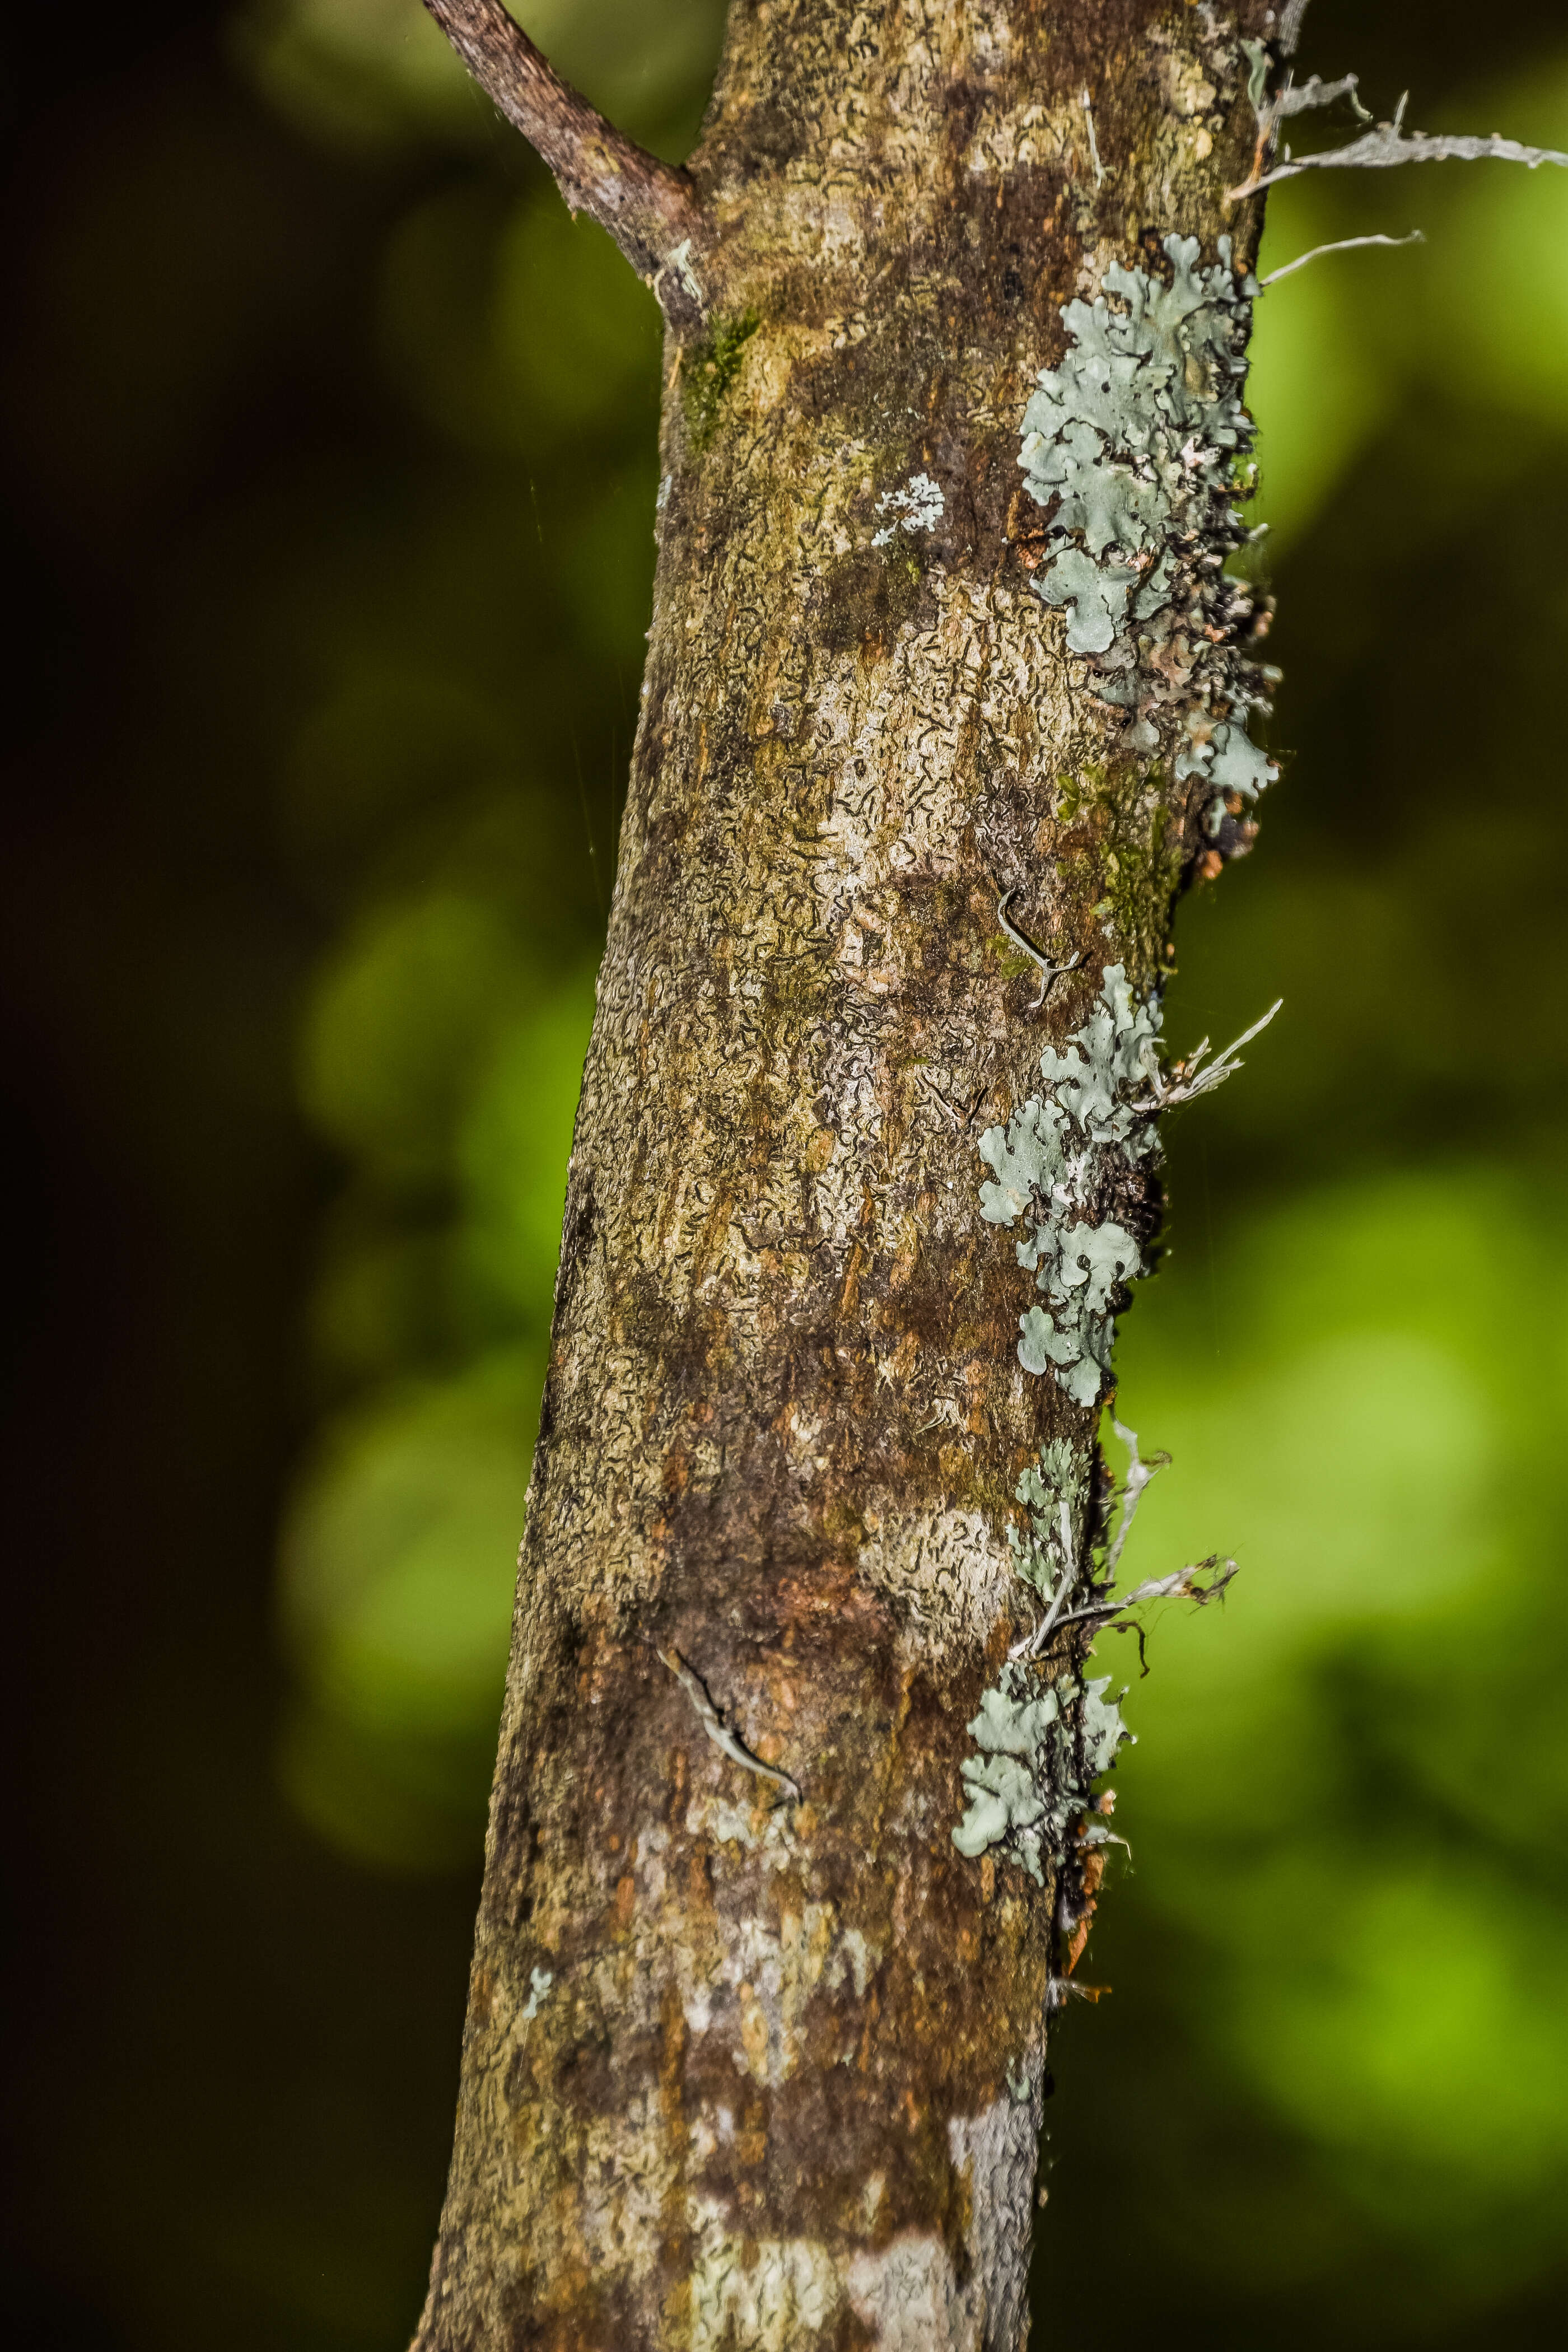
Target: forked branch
[1389, 143]
[1381, 147]
[649, 208]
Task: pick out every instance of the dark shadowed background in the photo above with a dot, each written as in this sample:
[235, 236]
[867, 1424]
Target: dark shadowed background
[329, 492]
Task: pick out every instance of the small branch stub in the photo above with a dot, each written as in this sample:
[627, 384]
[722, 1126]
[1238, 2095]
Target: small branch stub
[649, 208]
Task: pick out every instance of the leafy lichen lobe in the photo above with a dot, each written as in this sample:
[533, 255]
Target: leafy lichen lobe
[1135, 445]
[1053, 1164]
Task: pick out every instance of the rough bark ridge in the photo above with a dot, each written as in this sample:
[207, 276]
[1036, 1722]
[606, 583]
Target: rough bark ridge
[739, 2071]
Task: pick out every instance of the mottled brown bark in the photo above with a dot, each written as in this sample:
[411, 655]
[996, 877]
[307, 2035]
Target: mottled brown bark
[739, 2071]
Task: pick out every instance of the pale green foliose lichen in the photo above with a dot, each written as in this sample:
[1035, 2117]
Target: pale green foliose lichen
[1136, 443]
[917, 505]
[1039, 1758]
[1056, 1497]
[1051, 1162]
[1055, 1165]
[1258, 62]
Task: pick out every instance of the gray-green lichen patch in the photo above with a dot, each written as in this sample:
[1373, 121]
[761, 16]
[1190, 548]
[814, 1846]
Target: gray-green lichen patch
[1136, 445]
[1042, 1743]
[1040, 1755]
[1056, 1497]
[1051, 1164]
[1258, 62]
[1062, 1154]
[1039, 1752]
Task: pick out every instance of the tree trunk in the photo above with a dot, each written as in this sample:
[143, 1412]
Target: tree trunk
[739, 2069]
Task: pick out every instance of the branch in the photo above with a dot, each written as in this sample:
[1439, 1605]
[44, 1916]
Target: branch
[1340, 244]
[1182, 1586]
[649, 208]
[1290, 26]
[1139, 1474]
[1190, 1077]
[1048, 972]
[1390, 143]
[1294, 100]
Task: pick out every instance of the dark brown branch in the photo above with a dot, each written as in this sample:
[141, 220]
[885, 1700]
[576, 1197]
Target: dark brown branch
[649, 208]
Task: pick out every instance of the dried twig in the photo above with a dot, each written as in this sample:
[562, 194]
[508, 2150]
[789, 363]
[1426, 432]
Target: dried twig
[1339, 244]
[718, 1731]
[1062, 1989]
[1189, 1078]
[1093, 142]
[1290, 26]
[1389, 143]
[1301, 97]
[1139, 1474]
[1183, 1585]
[649, 208]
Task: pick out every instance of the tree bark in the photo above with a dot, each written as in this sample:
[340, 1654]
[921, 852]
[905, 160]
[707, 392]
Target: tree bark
[740, 2070]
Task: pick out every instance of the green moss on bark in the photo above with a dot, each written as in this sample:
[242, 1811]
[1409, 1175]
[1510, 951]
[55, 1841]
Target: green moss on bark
[708, 371]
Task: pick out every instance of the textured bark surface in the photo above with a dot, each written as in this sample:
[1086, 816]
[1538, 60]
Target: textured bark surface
[737, 2071]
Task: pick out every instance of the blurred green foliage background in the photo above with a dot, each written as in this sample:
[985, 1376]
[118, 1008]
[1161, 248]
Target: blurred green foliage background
[329, 482]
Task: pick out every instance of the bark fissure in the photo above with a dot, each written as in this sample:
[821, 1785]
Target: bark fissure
[783, 2086]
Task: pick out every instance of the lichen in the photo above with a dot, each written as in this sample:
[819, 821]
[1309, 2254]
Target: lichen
[917, 505]
[1136, 445]
[1054, 1164]
[1058, 1163]
[1056, 1497]
[1062, 1156]
[1039, 1758]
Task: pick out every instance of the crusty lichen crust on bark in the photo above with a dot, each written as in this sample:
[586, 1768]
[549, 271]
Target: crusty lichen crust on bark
[739, 2070]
